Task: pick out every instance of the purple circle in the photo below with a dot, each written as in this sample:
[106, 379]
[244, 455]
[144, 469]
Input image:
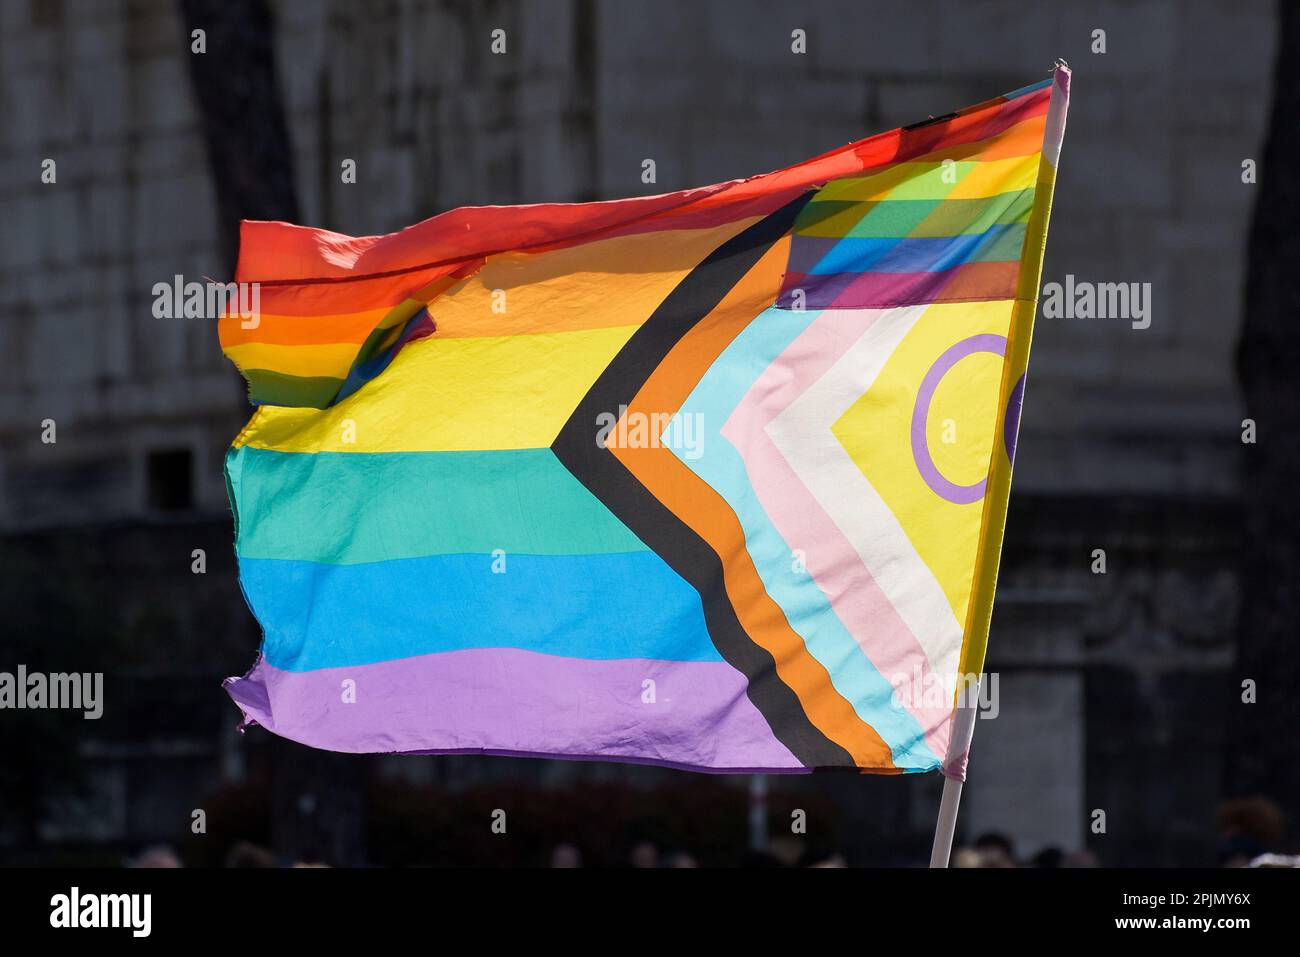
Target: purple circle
[1011, 421]
[957, 494]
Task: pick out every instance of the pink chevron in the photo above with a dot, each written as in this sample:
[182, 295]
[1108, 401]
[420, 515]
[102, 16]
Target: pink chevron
[831, 560]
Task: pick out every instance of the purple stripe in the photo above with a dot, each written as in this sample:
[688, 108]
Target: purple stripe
[892, 289]
[884, 290]
[807, 251]
[514, 702]
[818, 291]
[1011, 421]
[870, 290]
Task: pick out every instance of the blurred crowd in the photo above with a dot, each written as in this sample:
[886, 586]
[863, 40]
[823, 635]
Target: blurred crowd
[1250, 830]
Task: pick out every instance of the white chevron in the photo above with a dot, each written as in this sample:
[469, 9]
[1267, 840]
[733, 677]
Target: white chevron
[802, 432]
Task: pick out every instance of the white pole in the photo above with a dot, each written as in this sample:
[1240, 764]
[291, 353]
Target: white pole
[947, 824]
[954, 772]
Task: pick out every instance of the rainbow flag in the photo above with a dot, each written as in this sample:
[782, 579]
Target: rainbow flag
[714, 479]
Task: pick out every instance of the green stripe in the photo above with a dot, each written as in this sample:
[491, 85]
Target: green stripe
[276, 388]
[917, 218]
[345, 508]
[888, 218]
[1002, 246]
[960, 217]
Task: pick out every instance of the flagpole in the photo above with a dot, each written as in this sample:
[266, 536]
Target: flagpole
[954, 771]
[998, 488]
[947, 824]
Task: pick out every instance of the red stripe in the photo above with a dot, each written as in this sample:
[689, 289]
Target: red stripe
[301, 269]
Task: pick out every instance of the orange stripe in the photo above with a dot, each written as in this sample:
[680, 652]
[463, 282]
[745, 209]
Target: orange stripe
[569, 288]
[704, 510]
[326, 297]
[301, 330]
[1023, 139]
[556, 291]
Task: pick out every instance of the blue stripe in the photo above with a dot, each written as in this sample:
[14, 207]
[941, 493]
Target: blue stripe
[624, 605]
[1014, 94]
[921, 254]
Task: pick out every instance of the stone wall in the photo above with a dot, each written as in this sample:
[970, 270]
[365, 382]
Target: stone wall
[1150, 189]
[1129, 438]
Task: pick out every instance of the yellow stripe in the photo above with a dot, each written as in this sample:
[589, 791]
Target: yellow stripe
[318, 360]
[479, 382]
[507, 392]
[997, 176]
[964, 179]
